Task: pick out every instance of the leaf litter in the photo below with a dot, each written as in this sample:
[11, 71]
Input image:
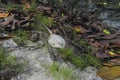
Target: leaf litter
[97, 35]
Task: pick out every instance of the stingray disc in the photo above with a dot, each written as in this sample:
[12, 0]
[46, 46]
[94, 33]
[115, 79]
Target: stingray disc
[56, 41]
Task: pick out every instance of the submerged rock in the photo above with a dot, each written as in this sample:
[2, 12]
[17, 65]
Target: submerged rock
[9, 43]
[89, 74]
[35, 69]
[39, 62]
[109, 20]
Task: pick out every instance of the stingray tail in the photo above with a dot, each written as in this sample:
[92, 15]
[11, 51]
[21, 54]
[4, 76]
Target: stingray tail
[47, 28]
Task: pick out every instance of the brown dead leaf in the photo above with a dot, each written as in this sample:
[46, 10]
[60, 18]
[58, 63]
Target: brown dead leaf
[55, 31]
[25, 22]
[108, 64]
[112, 54]
[111, 41]
[104, 46]
[96, 35]
[27, 5]
[80, 29]
[109, 73]
[92, 36]
[100, 55]
[117, 61]
[44, 8]
[23, 1]
[88, 23]
[97, 26]
[111, 36]
[63, 18]
[3, 15]
[14, 24]
[114, 45]
[1, 42]
[94, 44]
[6, 37]
[7, 20]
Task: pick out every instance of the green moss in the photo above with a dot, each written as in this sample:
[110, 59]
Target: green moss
[69, 55]
[32, 7]
[10, 62]
[62, 72]
[21, 36]
[44, 19]
[79, 61]
[86, 48]
[92, 61]
[6, 60]
[21, 7]
[57, 1]
[11, 6]
[39, 18]
[66, 52]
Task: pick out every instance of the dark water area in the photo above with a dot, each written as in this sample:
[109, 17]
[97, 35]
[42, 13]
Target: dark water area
[110, 17]
[112, 21]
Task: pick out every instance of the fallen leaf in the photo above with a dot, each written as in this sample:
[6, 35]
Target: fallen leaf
[96, 35]
[114, 45]
[112, 41]
[44, 8]
[100, 55]
[108, 64]
[7, 20]
[110, 36]
[116, 61]
[1, 42]
[63, 18]
[112, 53]
[106, 31]
[62, 14]
[55, 31]
[3, 15]
[109, 73]
[27, 5]
[95, 44]
[80, 29]
[111, 63]
[23, 1]
[6, 37]
[77, 29]
[14, 24]
[96, 26]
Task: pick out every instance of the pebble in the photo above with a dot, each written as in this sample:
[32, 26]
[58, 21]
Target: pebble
[34, 37]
